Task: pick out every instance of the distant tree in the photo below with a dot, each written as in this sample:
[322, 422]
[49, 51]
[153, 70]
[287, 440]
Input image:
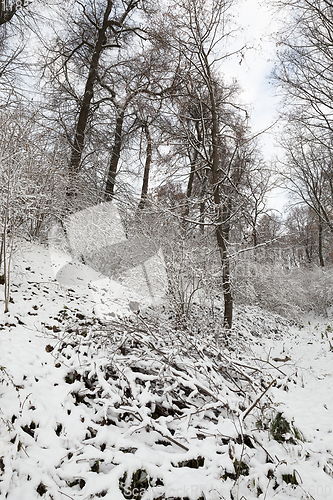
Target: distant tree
[257, 185]
[301, 225]
[305, 76]
[269, 228]
[307, 172]
[170, 194]
[304, 71]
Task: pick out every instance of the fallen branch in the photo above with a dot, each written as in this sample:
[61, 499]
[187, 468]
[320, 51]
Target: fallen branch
[257, 400]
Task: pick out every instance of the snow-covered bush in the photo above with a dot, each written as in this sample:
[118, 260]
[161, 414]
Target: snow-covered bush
[265, 278]
[190, 259]
[288, 292]
[32, 178]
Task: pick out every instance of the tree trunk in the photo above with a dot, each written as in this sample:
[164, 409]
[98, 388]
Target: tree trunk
[190, 185]
[145, 182]
[115, 156]
[202, 207]
[222, 235]
[192, 171]
[255, 236]
[320, 243]
[78, 143]
[226, 285]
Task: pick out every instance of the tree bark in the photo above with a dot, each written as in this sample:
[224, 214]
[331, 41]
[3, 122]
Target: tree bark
[78, 143]
[220, 232]
[202, 207]
[190, 185]
[145, 182]
[115, 156]
[320, 243]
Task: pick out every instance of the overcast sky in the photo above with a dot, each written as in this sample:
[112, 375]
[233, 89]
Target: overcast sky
[258, 27]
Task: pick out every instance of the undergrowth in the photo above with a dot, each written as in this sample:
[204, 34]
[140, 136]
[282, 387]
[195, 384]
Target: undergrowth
[153, 404]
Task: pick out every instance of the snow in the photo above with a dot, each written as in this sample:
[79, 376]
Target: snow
[87, 400]
[91, 251]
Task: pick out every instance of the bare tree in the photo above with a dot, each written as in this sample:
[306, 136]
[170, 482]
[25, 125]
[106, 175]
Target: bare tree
[137, 88]
[302, 230]
[305, 76]
[32, 180]
[196, 29]
[304, 70]
[307, 173]
[258, 184]
[95, 33]
[307, 169]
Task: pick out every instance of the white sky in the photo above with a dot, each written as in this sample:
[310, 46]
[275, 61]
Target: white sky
[257, 28]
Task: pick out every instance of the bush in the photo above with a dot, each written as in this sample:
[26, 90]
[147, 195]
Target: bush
[288, 292]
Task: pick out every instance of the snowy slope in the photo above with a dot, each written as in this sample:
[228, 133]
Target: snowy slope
[132, 408]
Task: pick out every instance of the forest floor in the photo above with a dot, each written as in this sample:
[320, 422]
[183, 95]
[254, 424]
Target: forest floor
[130, 406]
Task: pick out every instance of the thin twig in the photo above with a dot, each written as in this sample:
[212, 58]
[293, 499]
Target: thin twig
[271, 364]
[257, 400]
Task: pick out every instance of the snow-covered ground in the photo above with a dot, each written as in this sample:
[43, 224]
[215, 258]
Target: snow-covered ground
[95, 406]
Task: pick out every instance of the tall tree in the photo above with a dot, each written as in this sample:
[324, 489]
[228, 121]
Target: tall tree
[13, 37]
[196, 29]
[304, 74]
[136, 88]
[308, 174]
[95, 32]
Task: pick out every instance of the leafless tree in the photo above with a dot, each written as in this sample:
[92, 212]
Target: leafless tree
[258, 184]
[196, 29]
[32, 181]
[136, 87]
[304, 74]
[94, 35]
[307, 172]
[302, 231]
[304, 70]
[14, 30]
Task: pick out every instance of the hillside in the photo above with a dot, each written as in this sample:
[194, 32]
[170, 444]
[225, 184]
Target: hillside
[110, 403]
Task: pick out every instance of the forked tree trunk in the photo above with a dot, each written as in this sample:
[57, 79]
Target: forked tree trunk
[102, 31]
